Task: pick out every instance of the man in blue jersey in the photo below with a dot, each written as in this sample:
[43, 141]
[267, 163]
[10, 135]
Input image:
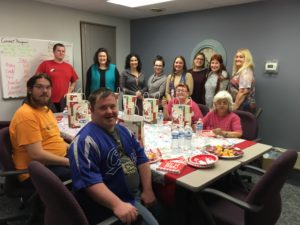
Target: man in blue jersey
[108, 165]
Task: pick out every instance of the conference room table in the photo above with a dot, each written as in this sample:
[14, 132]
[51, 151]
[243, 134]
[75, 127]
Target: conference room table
[193, 179]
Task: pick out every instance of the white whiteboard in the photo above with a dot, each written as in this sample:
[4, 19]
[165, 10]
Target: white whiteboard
[19, 59]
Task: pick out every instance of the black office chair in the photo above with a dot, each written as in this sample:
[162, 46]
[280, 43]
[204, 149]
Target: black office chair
[61, 206]
[12, 188]
[4, 123]
[204, 109]
[258, 112]
[249, 125]
[262, 205]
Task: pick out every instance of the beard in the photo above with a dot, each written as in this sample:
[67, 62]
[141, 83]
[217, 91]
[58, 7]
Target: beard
[41, 101]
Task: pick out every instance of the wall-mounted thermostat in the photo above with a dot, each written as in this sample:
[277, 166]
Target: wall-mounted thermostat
[271, 66]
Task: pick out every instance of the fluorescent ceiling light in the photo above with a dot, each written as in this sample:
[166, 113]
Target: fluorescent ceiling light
[136, 3]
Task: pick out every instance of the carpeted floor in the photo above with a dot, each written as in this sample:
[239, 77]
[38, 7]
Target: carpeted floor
[290, 202]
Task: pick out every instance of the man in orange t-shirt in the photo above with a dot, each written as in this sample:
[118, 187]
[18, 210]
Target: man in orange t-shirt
[34, 132]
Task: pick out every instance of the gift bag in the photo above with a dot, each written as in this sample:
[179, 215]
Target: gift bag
[78, 113]
[135, 124]
[74, 97]
[129, 104]
[150, 109]
[119, 96]
[182, 114]
[78, 109]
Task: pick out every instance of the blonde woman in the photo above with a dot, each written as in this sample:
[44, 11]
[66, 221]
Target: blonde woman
[179, 75]
[242, 83]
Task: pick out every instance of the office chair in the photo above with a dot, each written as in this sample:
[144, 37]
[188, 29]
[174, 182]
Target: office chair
[12, 187]
[249, 125]
[262, 205]
[4, 123]
[258, 112]
[61, 207]
[204, 109]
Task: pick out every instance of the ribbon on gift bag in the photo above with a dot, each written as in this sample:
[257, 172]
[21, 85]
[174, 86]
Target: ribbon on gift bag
[135, 124]
[129, 104]
[150, 108]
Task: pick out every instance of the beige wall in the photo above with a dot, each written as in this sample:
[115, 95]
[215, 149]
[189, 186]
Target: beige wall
[27, 19]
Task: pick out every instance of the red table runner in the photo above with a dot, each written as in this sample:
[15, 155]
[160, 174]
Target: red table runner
[168, 190]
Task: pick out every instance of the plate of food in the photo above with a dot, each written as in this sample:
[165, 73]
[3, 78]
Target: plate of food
[202, 160]
[225, 152]
[154, 155]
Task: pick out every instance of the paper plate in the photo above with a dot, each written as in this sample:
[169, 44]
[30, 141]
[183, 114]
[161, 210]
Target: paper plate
[202, 160]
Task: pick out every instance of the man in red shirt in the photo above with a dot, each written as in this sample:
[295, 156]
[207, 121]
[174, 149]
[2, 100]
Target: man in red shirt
[62, 75]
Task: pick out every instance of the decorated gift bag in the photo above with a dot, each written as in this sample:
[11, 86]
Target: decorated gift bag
[129, 103]
[79, 113]
[150, 108]
[78, 110]
[182, 114]
[134, 123]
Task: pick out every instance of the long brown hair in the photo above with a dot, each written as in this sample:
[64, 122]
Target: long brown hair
[222, 68]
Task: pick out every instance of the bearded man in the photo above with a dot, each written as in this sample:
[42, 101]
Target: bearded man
[34, 132]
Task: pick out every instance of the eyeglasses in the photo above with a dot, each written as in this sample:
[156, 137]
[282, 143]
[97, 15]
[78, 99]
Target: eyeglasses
[180, 90]
[158, 65]
[42, 87]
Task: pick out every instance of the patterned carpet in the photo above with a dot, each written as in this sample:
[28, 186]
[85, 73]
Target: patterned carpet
[290, 202]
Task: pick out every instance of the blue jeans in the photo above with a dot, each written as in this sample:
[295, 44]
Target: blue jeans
[148, 218]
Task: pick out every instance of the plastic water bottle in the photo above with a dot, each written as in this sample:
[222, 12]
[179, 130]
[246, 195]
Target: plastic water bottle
[65, 116]
[188, 135]
[199, 127]
[160, 118]
[181, 141]
[174, 140]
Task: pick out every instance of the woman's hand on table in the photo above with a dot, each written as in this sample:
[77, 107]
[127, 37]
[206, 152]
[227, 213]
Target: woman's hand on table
[218, 131]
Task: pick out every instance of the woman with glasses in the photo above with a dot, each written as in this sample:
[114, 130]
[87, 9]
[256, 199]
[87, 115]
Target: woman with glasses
[179, 75]
[199, 72]
[157, 81]
[221, 120]
[182, 97]
[217, 79]
[133, 81]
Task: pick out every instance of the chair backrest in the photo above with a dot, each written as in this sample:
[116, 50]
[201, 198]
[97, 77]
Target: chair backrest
[249, 124]
[12, 186]
[267, 191]
[61, 207]
[204, 109]
[4, 124]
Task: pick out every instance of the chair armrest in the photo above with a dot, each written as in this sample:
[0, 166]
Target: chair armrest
[13, 173]
[253, 169]
[109, 221]
[238, 202]
[257, 139]
[67, 182]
